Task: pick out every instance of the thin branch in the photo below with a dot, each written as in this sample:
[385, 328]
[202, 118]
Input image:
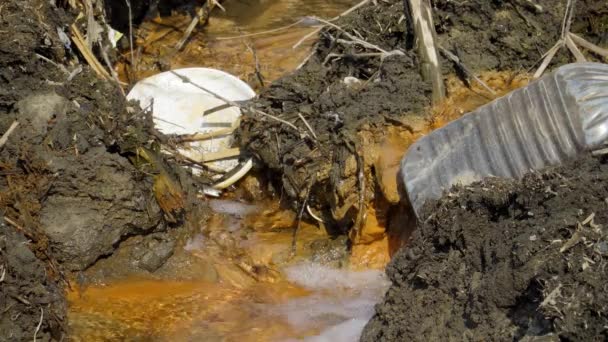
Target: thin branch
[204, 136]
[347, 12]
[574, 50]
[6, 134]
[353, 38]
[308, 126]
[39, 324]
[588, 45]
[309, 210]
[468, 71]
[256, 61]
[304, 205]
[262, 32]
[548, 58]
[106, 59]
[59, 66]
[130, 12]
[314, 50]
[199, 14]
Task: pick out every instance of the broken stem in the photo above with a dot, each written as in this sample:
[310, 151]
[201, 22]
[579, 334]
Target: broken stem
[304, 205]
[130, 12]
[424, 31]
[468, 71]
[308, 126]
[348, 11]
[588, 45]
[574, 50]
[6, 134]
[39, 324]
[548, 58]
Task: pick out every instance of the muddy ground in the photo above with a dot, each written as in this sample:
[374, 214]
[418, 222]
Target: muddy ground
[75, 183]
[486, 35]
[506, 260]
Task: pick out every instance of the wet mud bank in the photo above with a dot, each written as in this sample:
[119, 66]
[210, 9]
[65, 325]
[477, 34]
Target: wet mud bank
[79, 174]
[505, 260]
[346, 95]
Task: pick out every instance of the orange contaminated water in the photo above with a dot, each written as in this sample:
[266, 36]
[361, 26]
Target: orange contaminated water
[388, 225]
[245, 298]
[249, 36]
[245, 301]
[249, 301]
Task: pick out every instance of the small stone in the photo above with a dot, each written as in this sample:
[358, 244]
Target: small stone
[602, 247]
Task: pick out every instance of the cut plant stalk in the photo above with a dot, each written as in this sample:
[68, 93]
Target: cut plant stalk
[421, 22]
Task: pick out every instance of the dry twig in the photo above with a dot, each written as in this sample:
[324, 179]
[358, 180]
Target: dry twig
[569, 40]
[87, 53]
[130, 13]
[308, 126]
[421, 17]
[304, 205]
[39, 324]
[202, 15]
[348, 11]
[6, 134]
[464, 68]
[247, 35]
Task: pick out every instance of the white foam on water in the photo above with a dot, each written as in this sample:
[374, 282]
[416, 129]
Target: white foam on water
[233, 208]
[342, 300]
[315, 276]
[347, 331]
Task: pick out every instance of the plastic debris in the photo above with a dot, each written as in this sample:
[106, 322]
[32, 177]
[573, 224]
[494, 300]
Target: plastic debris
[180, 107]
[548, 122]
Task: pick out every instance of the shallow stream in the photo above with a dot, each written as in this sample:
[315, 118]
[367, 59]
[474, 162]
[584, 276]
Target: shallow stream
[237, 279]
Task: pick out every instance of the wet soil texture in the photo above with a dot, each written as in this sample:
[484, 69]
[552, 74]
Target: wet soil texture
[70, 192]
[505, 261]
[346, 88]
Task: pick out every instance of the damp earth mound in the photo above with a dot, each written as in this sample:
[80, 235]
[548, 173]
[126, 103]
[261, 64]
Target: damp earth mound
[346, 95]
[505, 260]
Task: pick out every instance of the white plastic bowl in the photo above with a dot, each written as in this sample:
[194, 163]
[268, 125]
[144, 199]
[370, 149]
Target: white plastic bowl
[178, 108]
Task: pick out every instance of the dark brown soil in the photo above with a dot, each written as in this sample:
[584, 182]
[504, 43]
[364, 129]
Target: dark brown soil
[487, 35]
[70, 189]
[505, 261]
[27, 296]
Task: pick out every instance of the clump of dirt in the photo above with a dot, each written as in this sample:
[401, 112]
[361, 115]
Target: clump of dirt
[505, 260]
[32, 305]
[77, 174]
[339, 92]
